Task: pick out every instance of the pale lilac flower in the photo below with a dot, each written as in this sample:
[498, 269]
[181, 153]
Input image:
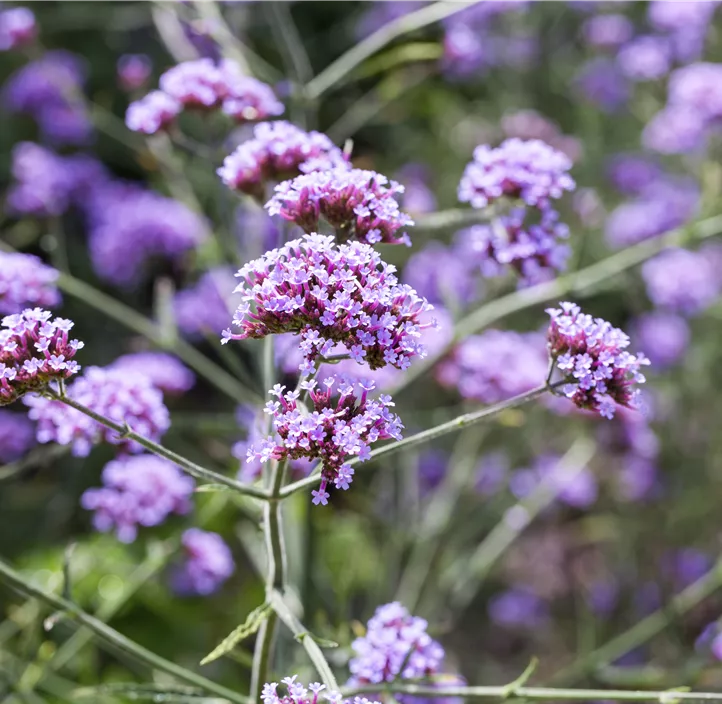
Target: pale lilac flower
[340, 424]
[518, 608]
[358, 204]
[165, 371]
[26, 281]
[528, 170]
[601, 83]
[607, 31]
[665, 336]
[141, 490]
[468, 52]
[645, 58]
[34, 351]
[677, 129]
[17, 435]
[591, 355]
[207, 563]
[698, 86]
[671, 15]
[632, 174]
[529, 124]
[152, 113]
[122, 396]
[330, 294]
[396, 645]
[315, 693]
[278, 151]
[133, 71]
[17, 28]
[248, 99]
[204, 308]
[199, 83]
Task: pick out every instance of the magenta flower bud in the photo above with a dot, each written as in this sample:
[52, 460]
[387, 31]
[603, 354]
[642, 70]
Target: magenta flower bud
[134, 71]
[208, 563]
[17, 28]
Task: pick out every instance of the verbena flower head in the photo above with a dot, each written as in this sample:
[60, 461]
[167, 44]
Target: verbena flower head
[278, 151]
[396, 645]
[528, 170]
[208, 563]
[34, 351]
[632, 174]
[608, 31]
[591, 355]
[341, 423]
[532, 247]
[17, 28]
[25, 281]
[203, 308]
[672, 15]
[17, 435]
[682, 281]
[698, 86]
[133, 70]
[665, 336]
[165, 371]
[518, 608]
[141, 490]
[358, 204]
[331, 294]
[495, 365]
[152, 113]
[645, 58]
[677, 129]
[602, 83]
[296, 693]
[123, 396]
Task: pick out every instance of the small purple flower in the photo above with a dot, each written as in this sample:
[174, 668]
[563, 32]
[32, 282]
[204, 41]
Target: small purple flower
[518, 608]
[632, 174]
[277, 152]
[134, 71]
[17, 28]
[699, 87]
[195, 84]
[25, 281]
[601, 83]
[665, 336]
[204, 308]
[591, 355]
[249, 100]
[298, 694]
[468, 52]
[34, 351]
[208, 563]
[137, 491]
[17, 435]
[330, 295]
[394, 640]
[165, 371]
[607, 31]
[677, 129]
[152, 113]
[528, 170]
[358, 204]
[123, 396]
[335, 429]
[645, 58]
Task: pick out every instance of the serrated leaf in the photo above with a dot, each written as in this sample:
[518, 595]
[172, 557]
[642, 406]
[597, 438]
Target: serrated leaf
[248, 628]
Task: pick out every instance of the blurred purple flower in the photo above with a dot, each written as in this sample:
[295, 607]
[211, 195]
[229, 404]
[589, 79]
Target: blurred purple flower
[418, 198]
[26, 282]
[665, 336]
[204, 308]
[153, 112]
[491, 472]
[518, 608]
[632, 174]
[645, 58]
[677, 129]
[17, 28]
[165, 371]
[607, 31]
[133, 71]
[208, 563]
[17, 435]
[601, 82]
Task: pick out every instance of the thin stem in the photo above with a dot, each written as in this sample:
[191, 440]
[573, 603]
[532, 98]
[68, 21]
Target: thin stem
[186, 465]
[345, 64]
[458, 423]
[535, 693]
[17, 581]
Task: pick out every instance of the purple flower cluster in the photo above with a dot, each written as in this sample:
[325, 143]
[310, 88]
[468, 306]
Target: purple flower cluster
[358, 204]
[396, 645]
[208, 563]
[203, 84]
[34, 351]
[26, 281]
[601, 82]
[609, 31]
[683, 281]
[665, 336]
[645, 58]
[686, 25]
[50, 89]
[133, 71]
[337, 428]
[165, 371]
[128, 398]
[518, 608]
[298, 694]
[529, 124]
[17, 28]
[590, 353]
[331, 294]
[17, 435]
[203, 308]
[137, 491]
[633, 174]
[495, 365]
[278, 151]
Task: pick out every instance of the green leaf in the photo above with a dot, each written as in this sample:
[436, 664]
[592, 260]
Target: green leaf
[167, 693]
[322, 642]
[212, 488]
[248, 628]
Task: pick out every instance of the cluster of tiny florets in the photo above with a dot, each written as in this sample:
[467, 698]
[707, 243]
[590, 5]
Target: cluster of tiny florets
[34, 351]
[208, 563]
[396, 645]
[203, 84]
[26, 281]
[140, 490]
[358, 204]
[341, 424]
[165, 371]
[591, 355]
[278, 151]
[128, 398]
[298, 694]
[331, 294]
[17, 435]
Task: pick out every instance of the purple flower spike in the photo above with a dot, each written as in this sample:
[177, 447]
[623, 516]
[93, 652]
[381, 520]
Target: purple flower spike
[25, 281]
[34, 351]
[358, 204]
[394, 640]
[333, 430]
[528, 170]
[331, 294]
[298, 694]
[165, 371]
[152, 113]
[137, 491]
[278, 151]
[591, 355]
[17, 435]
[17, 28]
[123, 396]
[208, 563]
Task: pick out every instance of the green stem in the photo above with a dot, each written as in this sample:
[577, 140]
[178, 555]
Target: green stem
[339, 69]
[451, 219]
[17, 581]
[458, 423]
[186, 465]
